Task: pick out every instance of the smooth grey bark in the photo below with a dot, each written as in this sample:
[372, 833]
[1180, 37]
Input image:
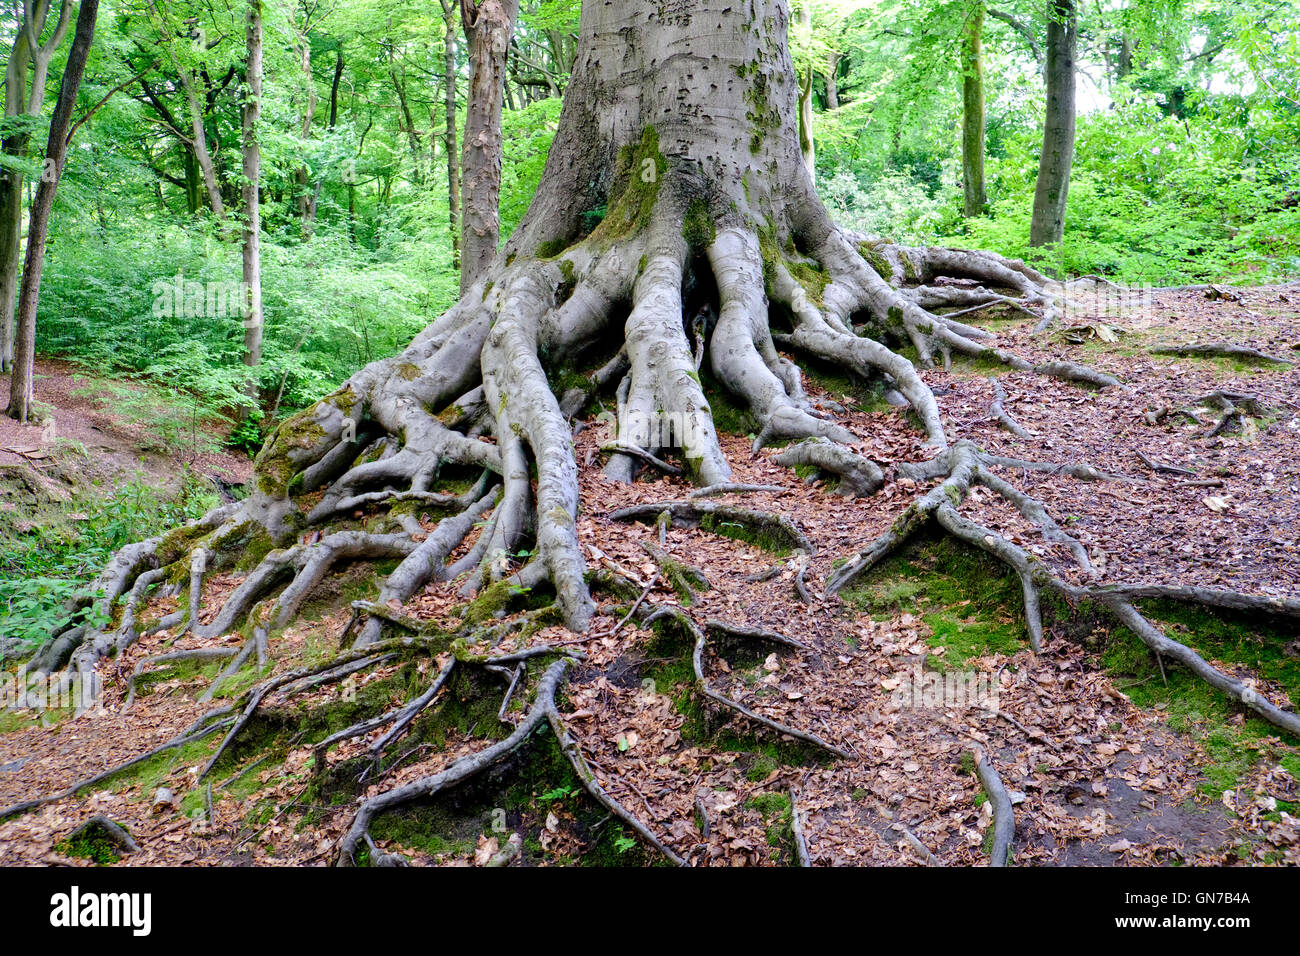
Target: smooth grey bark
[488, 25]
[449, 133]
[28, 53]
[806, 145]
[252, 169]
[975, 197]
[833, 79]
[1048, 223]
[20, 393]
[676, 164]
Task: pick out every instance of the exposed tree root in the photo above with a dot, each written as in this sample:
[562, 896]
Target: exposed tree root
[197, 731]
[858, 476]
[198, 654]
[700, 637]
[966, 466]
[683, 578]
[774, 529]
[1000, 414]
[372, 453]
[751, 633]
[1221, 349]
[1004, 818]
[543, 709]
[728, 488]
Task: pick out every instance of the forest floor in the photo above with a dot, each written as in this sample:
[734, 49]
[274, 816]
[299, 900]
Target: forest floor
[101, 430]
[1110, 758]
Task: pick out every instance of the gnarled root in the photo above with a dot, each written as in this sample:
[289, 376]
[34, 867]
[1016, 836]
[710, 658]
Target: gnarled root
[965, 465]
[471, 394]
[543, 710]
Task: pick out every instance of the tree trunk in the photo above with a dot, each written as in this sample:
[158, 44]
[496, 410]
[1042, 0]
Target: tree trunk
[806, 146]
[833, 80]
[252, 168]
[972, 116]
[27, 53]
[488, 25]
[20, 392]
[302, 176]
[449, 135]
[334, 86]
[1048, 224]
[676, 181]
[408, 123]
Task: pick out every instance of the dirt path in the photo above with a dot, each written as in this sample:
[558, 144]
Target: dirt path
[89, 433]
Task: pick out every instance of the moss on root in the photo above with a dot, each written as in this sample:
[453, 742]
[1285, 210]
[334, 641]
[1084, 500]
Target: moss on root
[91, 844]
[273, 466]
[973, 606]
[1233, 739]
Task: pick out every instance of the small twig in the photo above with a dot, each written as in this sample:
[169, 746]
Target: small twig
[510, 692]
[654, 578]
[1160, 467]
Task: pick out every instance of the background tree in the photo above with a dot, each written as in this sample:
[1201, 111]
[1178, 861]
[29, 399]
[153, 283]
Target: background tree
[20, 391]
[29, 53]
[489, 26]
[975, 197]
[252, 169]
[1052, 192]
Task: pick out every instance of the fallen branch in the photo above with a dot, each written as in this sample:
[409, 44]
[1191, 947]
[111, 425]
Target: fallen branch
[1222, 350]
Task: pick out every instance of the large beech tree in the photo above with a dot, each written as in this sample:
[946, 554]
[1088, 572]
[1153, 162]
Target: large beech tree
[675, 225]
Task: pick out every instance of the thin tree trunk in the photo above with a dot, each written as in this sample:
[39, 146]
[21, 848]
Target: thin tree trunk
[302, 176]
[27, 53]
[334, 86]
[20, 392]
[488, 26]
[252, 167]
[833, 80]
[805, 97]
[1048, 223]
[412, 137]
[199, 135]
[449, 136]
[972, 118]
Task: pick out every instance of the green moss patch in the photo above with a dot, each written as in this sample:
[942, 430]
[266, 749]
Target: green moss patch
[971, 603]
